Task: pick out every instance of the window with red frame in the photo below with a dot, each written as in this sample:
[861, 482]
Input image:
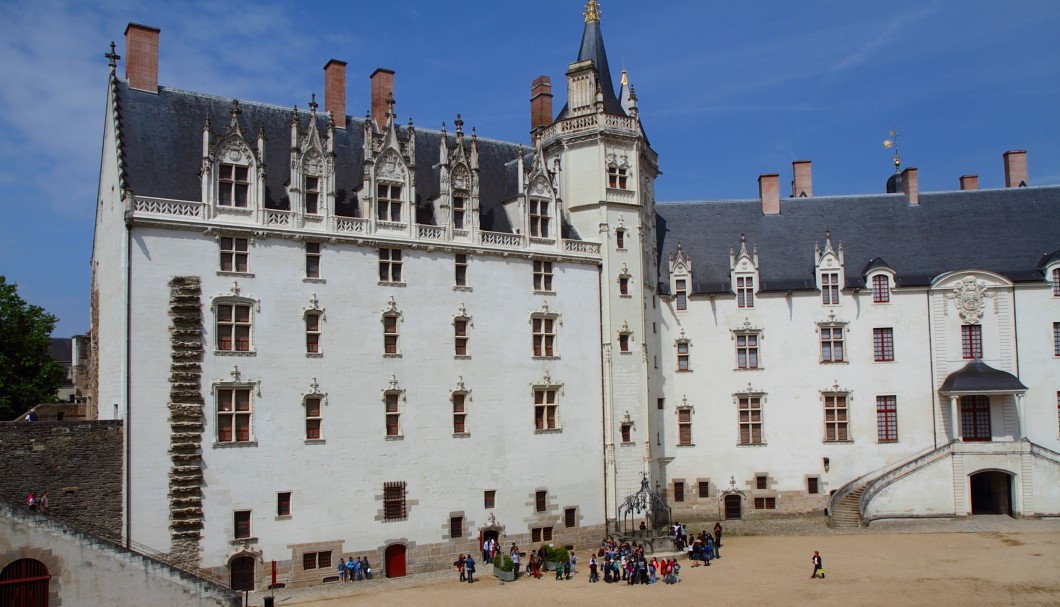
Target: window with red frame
[393, 414]
[745, 292]
[881, 289]
[242, 524]
[312, 333]
[459, 413]
[883, 344]
[390, 334]
[887, 419]
[233, 327]
[681, 294]
[312, 417]
[972, 341]
[233, 415]
[460, 336]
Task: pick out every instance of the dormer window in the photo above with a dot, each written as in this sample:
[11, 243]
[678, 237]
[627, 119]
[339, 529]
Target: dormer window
[388, 202]
[459, 210]
[539, 218]
[312, 195]
[830, 288]
[233, 185]
[1056, 282]
[745, 292]
[881, 288]
[681, 294]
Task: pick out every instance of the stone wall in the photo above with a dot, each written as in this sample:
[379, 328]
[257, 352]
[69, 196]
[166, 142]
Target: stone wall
[78, 463]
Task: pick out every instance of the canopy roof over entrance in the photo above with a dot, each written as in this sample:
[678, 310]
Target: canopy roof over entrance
[978, 377]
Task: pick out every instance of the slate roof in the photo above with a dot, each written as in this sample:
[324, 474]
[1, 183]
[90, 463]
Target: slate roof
[979, 377]
[162, 147]
[1008, 231]
[592, 48]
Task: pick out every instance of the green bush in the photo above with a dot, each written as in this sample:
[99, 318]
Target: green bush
[503, 562]
[557, 554]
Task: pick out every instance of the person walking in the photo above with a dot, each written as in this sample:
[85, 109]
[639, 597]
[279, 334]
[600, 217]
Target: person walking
[469, 569]
[459, 563]
[818, 566]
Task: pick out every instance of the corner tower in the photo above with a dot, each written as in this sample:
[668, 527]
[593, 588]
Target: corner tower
[606, 183]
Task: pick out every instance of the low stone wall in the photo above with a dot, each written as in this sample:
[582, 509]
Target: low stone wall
[78, 463]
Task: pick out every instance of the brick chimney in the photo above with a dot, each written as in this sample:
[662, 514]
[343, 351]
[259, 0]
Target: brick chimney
[141, 57]
[969, 182]
[911, 185]
[335, 91]
[802, 184]
[1016, 169]
[540, 103]
[769, 193]
[382, 88]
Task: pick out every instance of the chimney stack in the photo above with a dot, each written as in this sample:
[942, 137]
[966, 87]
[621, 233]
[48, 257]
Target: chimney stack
[335, 91]
[540, 103]
[802, 184]
[769, 193]
[382, 88]
[911, 185]
[1016, 169]
[141, 57]
[969, 182]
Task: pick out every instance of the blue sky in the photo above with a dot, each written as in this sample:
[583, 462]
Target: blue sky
[727, 91]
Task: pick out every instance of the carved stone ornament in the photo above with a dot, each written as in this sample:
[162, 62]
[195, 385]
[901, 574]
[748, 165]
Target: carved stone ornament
[969, 297]
[540, 186]
[391, 167]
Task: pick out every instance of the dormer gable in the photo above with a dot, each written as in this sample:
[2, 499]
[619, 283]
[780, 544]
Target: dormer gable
[680, 277]
[880, 278]
[389, 189]
[457, 204]
[828, 264]
[743, 274]
[232, 173]
[311, 188]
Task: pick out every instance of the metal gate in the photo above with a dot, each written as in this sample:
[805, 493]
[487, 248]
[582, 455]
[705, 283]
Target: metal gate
[24, 583]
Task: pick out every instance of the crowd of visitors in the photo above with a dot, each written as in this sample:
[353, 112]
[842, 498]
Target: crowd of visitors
[354, 569]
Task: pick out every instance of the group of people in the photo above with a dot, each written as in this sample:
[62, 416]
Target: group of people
[354, 569]
[38, 503]
[634, 569]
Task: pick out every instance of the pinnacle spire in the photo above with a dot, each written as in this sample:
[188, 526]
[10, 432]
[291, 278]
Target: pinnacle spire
[592, 12]
[592, 49]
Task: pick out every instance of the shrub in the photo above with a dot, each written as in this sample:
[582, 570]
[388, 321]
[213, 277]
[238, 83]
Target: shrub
[557, 554]
[503, 562]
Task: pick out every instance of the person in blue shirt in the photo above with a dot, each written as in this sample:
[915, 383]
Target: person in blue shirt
[469, 569]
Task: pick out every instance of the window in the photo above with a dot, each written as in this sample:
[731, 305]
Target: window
[681, 294]
[312, 260]
[1056, 282]
[975, 418]
[881, 289]
[312, 195]
[456, 526]
[233, 415]
[459, 209]
[835, 417]
[616, 177]
[627, 430]
[765, 503]
[544, 336]
[233, 327]
[390, 334]
[684, 426]
[883, 344]
[459, 413]
[623, 285]
[394, 508]
[388, 202]
[316, 560]
[750, 409]
[745, 292]
[283, 503]
[886, 419]
[241, 520]
[312, 417]
[543, 276]
[831, 344]
[233, 254]
[972, 341]
[393, 414]
[545, 408]
[1056, 339]
[620, 238]
[540, 534]
[623, 342]
[679, 491]
[704, 488]
[570, 517]
[540, 501]
[747, 351]
[682, 356]
[460, 278]
[312, 333]
[389, 265]
[460, 337]
[829, 288]
[1058, 411]
[812, 486]
[761, 481]
[233, 184]
[539, 218]
[489, 499]
[660, 403]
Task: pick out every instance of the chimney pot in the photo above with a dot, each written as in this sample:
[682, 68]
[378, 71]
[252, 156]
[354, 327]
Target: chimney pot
[382, 89]
[540, 103]
[802, 183]
[141, 57]
[1016, 169]
[969, 182]
[911, 185]
[769, 193]
[335, 91]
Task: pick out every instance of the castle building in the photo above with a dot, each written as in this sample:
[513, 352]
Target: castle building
[333, 336]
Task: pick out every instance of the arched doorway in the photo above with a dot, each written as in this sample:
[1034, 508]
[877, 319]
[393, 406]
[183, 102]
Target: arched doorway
[395, 560]
[991, 492]
[241, 569]
[24, 583]
[733, 506]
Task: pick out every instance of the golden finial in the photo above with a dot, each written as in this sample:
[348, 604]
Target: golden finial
[893, 143]
[592, 12]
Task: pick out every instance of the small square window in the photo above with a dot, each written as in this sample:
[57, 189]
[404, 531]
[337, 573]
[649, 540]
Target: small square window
[570, 517]
[761, 481]
[765, 503]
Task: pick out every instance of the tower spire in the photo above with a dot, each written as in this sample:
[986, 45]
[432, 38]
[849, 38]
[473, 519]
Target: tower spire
[592, 49]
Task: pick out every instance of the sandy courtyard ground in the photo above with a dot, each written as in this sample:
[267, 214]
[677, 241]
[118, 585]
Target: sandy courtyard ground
[939, 569]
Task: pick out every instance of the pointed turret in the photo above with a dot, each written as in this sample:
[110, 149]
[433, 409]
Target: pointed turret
[592, 49]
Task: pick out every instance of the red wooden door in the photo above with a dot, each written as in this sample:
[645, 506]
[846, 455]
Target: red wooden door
[395, 560]
[24, 583]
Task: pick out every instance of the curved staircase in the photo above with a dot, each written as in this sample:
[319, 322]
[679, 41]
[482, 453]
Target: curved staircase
[846, 513]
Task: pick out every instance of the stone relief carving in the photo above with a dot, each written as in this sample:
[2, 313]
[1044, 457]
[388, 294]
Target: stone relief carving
[969, 297]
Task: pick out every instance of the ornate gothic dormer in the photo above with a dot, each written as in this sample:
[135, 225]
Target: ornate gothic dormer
[312, 185]
[232, 173]
[389, 191]
[457, 204]
[743, 274]
[680, 277]
[829, 269]
[543, 212]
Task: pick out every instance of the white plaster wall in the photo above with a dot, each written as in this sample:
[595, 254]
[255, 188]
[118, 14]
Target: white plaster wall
[1046, 482]
[1039, 369]
[926, 491]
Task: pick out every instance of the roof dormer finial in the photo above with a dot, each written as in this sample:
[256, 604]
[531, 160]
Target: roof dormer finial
[592, 12]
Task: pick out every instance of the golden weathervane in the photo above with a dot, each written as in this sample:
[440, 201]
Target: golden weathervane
[592, 12]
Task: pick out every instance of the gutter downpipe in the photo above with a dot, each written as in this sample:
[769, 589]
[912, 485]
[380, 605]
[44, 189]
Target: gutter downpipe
[931, 367]
[128, 362]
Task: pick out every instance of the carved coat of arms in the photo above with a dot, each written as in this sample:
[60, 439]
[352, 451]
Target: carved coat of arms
[969, 297]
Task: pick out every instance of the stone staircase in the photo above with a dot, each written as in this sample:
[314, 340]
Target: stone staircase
[847, 512]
